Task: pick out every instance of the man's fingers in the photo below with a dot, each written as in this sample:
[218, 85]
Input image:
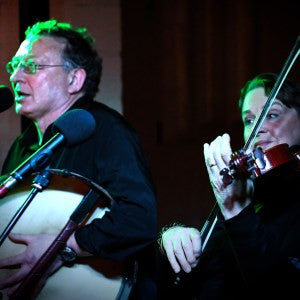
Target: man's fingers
[20, 238]
[11, 260]
[13, 279]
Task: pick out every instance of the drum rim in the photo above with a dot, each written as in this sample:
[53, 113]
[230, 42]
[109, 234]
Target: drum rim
[68, 173]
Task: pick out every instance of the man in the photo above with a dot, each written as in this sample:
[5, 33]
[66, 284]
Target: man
[57, 69]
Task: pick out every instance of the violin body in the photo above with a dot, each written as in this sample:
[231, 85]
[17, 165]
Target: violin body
[261, 162]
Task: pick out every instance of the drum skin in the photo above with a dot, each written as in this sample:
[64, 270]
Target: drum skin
[48, 212]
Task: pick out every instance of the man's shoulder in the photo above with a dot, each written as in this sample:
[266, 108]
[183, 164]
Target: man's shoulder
[106, 116]
[101, 109]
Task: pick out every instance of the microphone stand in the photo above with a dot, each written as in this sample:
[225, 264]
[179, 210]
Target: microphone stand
[40, 182]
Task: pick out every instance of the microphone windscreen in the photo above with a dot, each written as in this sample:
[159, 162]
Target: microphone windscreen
[76, 125]
[6, 98]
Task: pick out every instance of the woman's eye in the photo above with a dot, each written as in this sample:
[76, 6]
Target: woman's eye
[248, 121]
[272, 116]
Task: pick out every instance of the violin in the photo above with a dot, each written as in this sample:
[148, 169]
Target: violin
[259, 162]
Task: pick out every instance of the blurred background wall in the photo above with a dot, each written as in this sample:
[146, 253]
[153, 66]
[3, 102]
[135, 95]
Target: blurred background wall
[174, 68]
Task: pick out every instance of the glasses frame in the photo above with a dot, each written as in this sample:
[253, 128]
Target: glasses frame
[28, 68]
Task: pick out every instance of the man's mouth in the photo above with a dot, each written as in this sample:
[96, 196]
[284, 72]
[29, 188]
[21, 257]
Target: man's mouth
[19, 95]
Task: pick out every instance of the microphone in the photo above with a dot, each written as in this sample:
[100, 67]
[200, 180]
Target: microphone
[6, 98]
[72, 128]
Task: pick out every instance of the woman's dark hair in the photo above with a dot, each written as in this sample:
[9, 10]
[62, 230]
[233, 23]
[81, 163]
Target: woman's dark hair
[289, 93]
[79, 51]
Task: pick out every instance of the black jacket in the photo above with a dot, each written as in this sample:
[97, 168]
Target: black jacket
[114, 159]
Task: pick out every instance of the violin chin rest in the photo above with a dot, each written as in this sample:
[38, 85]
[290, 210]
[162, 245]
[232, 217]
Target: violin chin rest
[295, 148]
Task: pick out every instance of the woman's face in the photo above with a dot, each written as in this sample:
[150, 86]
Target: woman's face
[281, 125]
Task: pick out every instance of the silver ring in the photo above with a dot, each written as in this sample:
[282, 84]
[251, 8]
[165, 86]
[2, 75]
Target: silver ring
[224, 171]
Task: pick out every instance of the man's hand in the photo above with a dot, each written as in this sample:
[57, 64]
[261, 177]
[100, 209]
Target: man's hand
[37, 244]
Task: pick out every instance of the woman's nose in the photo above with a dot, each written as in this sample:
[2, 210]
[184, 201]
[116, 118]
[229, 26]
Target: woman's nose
[263, 127]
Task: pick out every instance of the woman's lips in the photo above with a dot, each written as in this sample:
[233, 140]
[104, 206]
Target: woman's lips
[263, 144]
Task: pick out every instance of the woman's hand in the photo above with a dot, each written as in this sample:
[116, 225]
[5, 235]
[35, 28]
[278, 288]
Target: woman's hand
[232, 198]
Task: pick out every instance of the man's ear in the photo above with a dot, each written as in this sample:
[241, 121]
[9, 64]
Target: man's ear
[76, 79]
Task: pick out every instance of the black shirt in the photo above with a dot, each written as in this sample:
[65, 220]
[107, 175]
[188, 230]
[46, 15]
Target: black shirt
[113, 158]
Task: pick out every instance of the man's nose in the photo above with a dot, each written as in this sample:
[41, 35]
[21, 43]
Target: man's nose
[17, 75]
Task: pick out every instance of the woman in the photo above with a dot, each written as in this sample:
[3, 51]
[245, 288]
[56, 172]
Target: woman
[254, 250]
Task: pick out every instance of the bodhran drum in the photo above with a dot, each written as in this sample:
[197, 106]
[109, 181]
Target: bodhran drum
[90, 278]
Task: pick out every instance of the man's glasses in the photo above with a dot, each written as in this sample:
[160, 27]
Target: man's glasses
[28, 67]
